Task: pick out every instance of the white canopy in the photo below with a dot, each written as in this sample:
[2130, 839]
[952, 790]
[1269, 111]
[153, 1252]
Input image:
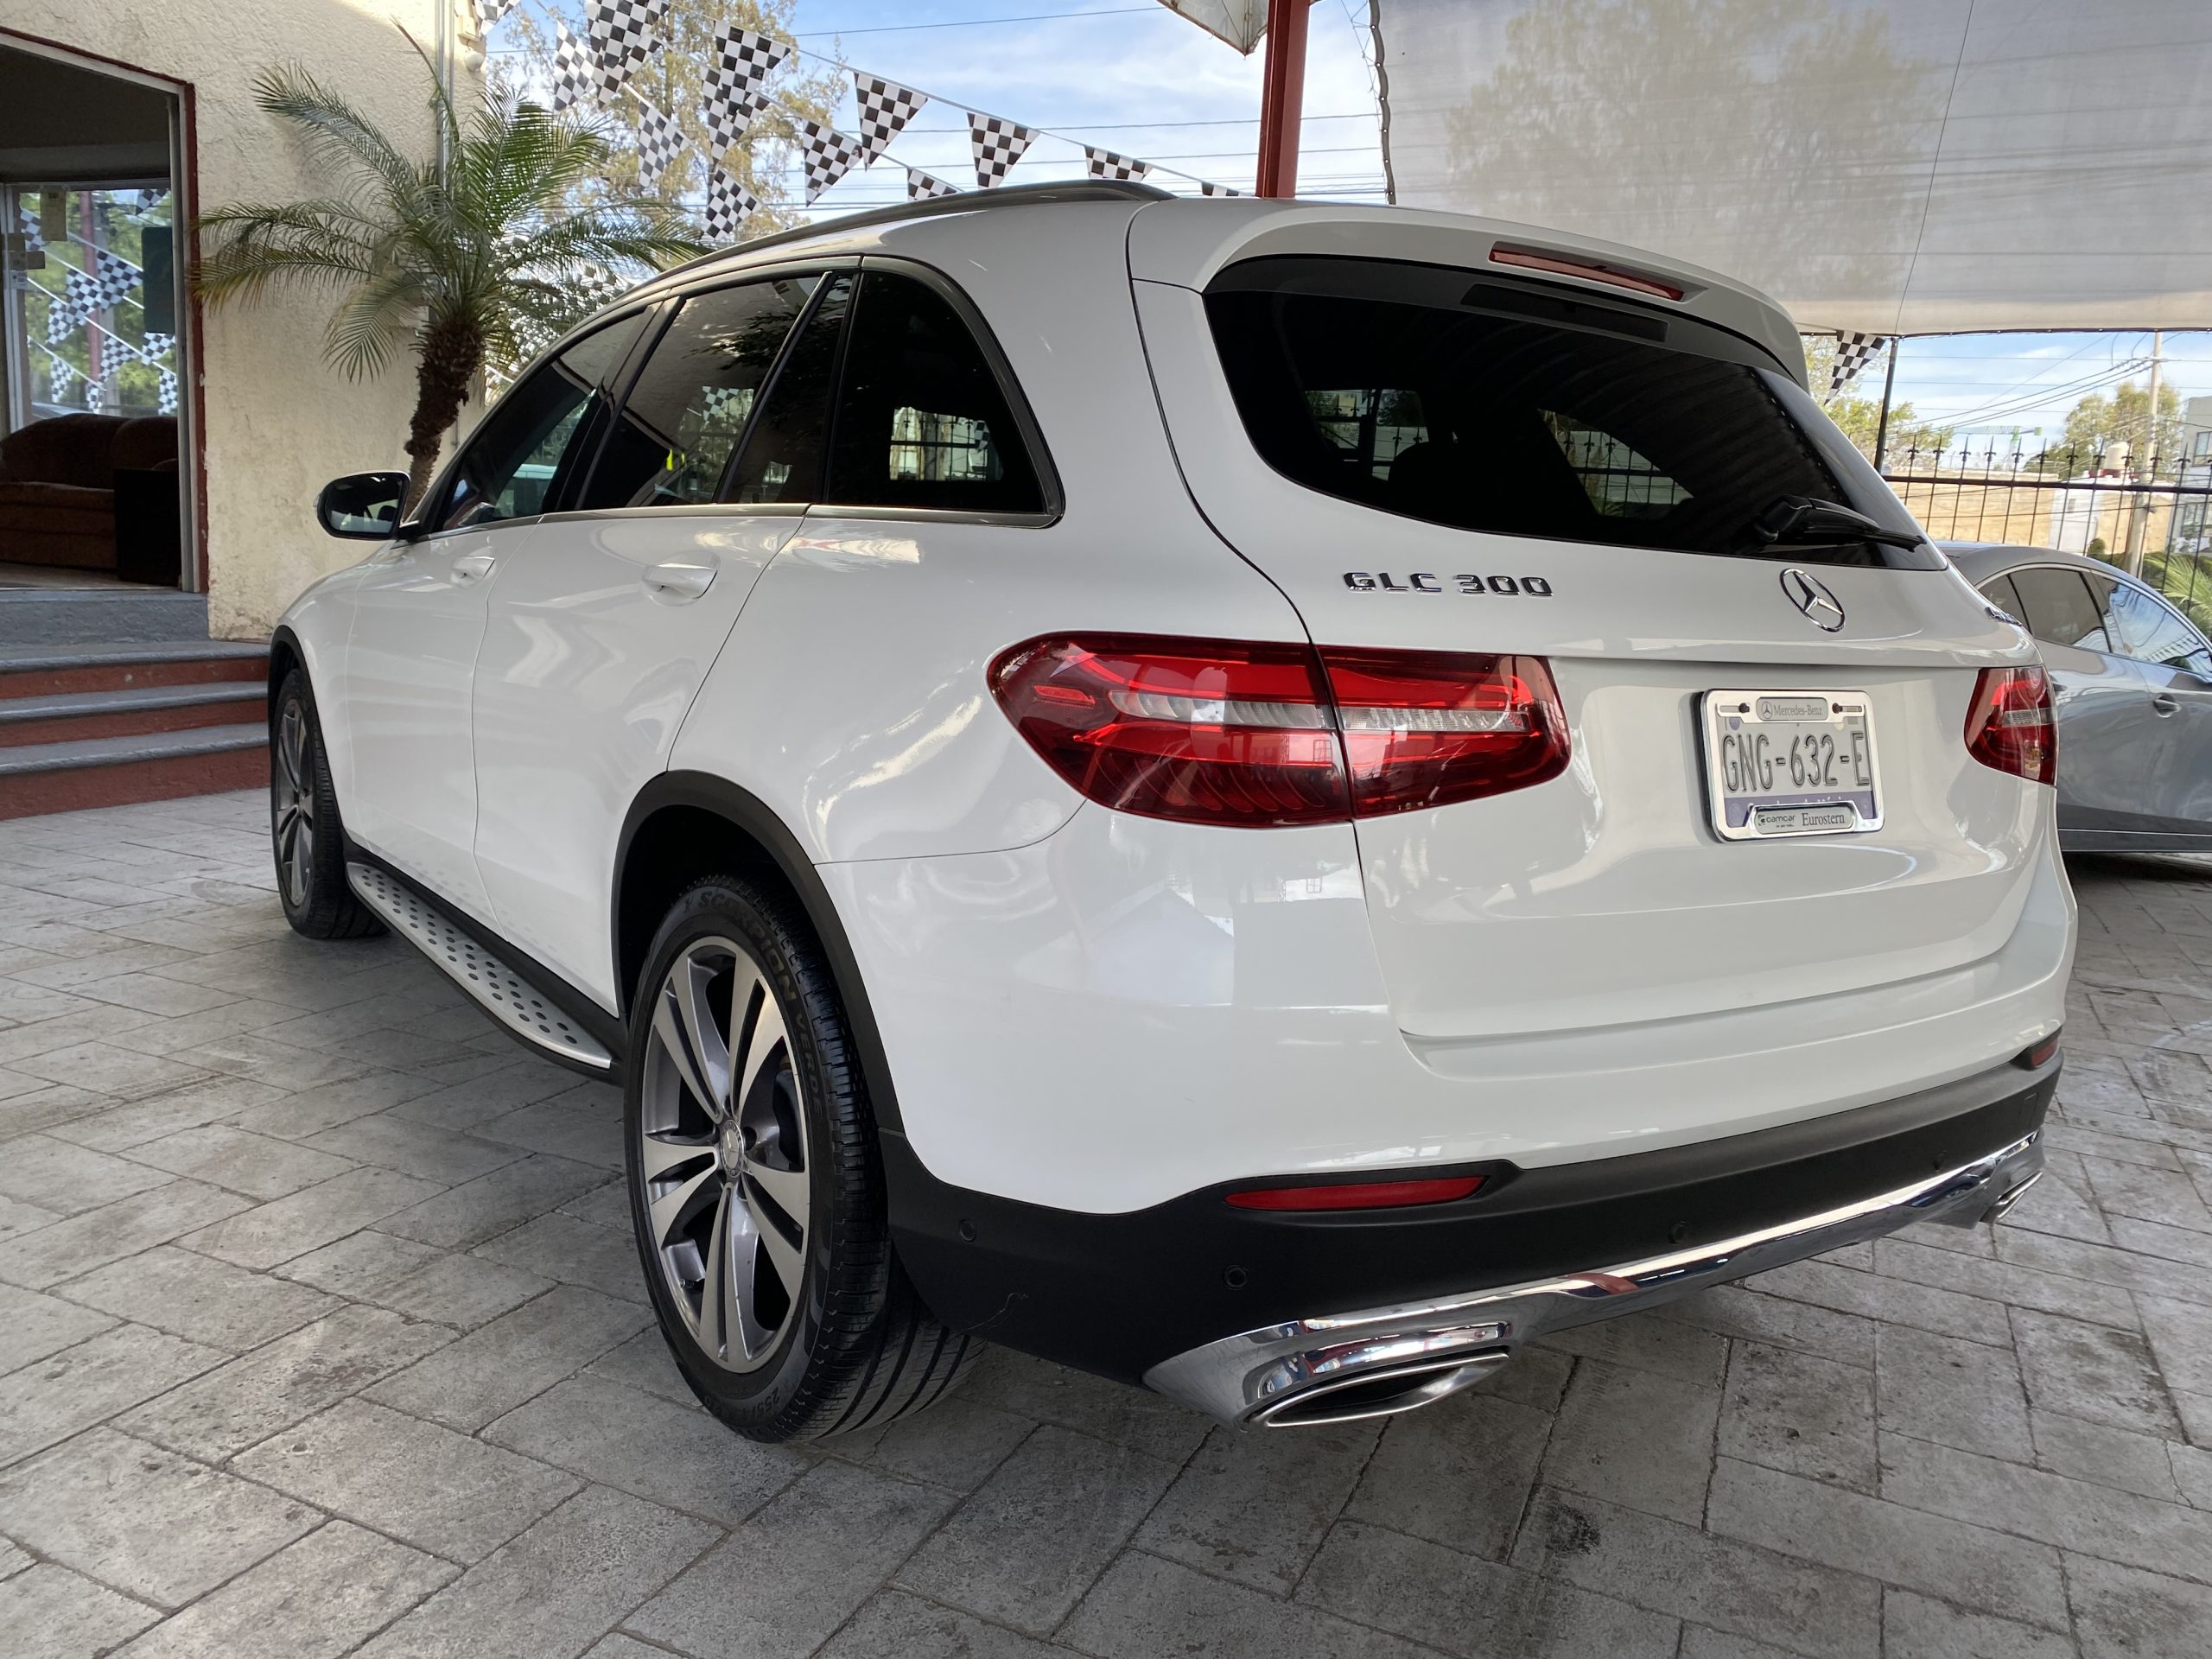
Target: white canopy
[1241, 23]
[1886, 166]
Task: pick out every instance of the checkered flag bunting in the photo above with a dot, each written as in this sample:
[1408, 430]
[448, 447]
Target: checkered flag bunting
[737, 81]
[728, 206]
[660, 141]
[113, 278]
[1853, 352]
[999, 144]
[1208, 189]
[829, 154]
[59, 378]
[1105, 164]
[157, 345]
[65, 311]
[885, 107]
[921, 187]
[26, 216]
[621, 32]
[573, 78]
[165, 399]
[489, 12]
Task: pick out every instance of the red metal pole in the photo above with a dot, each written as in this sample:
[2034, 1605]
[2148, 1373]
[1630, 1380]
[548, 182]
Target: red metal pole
[1282, 97]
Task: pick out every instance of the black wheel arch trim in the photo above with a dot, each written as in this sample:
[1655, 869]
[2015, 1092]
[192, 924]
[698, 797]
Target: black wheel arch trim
[752, 818]
[611, 1034]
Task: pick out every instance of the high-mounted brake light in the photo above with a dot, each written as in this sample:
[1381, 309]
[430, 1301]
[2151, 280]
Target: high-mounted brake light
[1251, 734]
[2011, 725]
[1560, 264]
[1356, 1195]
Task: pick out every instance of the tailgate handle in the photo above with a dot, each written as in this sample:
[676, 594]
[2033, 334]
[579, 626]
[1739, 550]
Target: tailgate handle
[2164, 704]
[678, 582]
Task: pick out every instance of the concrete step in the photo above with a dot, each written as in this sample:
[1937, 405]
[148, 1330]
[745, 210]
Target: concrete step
[124, 713]
[77, 773]
[75, 616]
[57, 670]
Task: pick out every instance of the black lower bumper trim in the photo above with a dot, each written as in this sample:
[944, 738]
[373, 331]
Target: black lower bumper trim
[1117, 1293]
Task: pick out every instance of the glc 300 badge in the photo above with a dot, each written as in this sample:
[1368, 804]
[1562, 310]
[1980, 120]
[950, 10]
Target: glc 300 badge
[1427, 582]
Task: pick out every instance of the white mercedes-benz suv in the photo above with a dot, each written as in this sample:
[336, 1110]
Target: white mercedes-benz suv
[1268, 800]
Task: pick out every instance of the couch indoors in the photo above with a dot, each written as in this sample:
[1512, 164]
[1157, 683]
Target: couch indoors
[58, 485]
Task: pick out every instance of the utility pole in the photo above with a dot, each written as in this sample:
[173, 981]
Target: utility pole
[1282, 97]
[2140, 524]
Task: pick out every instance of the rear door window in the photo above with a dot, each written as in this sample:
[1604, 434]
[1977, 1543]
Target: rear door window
[2150, 632]
[783, 455]
[1486, 405]
[2060, 609]
[922, 420]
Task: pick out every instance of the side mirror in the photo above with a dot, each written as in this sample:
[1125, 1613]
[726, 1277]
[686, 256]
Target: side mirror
[362, 507]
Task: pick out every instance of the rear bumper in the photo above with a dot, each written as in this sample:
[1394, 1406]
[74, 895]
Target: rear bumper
[1201, 1299]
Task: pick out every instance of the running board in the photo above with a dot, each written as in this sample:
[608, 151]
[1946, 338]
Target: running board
[504, 994]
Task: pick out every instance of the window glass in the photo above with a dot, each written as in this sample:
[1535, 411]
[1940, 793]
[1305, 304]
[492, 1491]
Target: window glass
[517, 454]
[922, 421]
[1492, 407]
[2059, 610]
[2150, 632]
[1999, 591]
[689, 405]
[783, 456]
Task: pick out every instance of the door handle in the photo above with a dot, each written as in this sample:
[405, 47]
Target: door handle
[677, 584]
[473, 567]
[2164, 704]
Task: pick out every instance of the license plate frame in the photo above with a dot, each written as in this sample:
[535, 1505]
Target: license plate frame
[1832, 801]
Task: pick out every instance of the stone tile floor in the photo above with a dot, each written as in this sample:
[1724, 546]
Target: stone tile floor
[320, 1333]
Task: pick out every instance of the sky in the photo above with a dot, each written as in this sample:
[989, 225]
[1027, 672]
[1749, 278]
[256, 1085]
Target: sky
[1133, 77]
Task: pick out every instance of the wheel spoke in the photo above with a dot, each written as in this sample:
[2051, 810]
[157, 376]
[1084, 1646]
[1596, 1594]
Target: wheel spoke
[714, 1290]
[785, 1190]
[740, 1322]
[782, 1256]
[682, 1024]
[302, 860]
[291, 748]
[763, 1038]
[672, 1194]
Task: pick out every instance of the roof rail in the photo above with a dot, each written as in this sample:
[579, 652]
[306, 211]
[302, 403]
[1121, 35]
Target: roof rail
[1013, 195]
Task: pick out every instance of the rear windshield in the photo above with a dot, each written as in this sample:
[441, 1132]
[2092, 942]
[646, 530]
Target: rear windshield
[1484, 403]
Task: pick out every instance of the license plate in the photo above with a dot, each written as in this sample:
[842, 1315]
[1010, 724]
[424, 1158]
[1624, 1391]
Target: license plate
[1790, 763]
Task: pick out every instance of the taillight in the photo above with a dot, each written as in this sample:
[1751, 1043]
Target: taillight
[2011, 725]
[1236, 732]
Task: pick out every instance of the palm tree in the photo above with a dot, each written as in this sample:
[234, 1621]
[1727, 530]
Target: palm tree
[472, 260]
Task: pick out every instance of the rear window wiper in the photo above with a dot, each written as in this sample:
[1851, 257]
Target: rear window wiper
[1802, 518]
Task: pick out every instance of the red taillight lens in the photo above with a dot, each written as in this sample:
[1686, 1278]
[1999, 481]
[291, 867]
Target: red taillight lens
[1423, 728]
[1229, 732]
[1356, 1195]
[1594, 270]
[2010, 725]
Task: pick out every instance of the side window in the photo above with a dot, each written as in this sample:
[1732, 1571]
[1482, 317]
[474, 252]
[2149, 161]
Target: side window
[922, 421]
[2060, 611]
[515, 459]
[689, 405]
[2152, 632]
[783, 457]
[1999, 591]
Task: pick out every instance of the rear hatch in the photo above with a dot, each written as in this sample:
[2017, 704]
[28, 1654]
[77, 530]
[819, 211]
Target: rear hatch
[1436, 435]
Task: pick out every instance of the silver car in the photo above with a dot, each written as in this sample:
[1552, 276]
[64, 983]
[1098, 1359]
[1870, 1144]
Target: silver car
[2134, 681]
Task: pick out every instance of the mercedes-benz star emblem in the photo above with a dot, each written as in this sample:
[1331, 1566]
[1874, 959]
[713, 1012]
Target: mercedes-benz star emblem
[1812, 597]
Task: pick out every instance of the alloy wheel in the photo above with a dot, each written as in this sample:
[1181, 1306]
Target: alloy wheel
[722, 1153]
[295, 827]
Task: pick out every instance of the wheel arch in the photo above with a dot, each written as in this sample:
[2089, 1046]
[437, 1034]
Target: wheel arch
[686, 824]
[285, 654]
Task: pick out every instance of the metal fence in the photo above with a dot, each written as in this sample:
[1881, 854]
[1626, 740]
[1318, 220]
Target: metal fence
[2153, 519]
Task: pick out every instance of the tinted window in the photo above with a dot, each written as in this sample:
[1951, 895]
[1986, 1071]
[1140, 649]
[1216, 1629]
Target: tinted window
[2059, 610]
[2148, 631]
[1494, 407]
[783, 455]
[515, 458]
[922, 421]
[689, 405]
[1999, 591]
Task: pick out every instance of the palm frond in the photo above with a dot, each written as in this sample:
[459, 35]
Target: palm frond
[311, 244]
[373, 324]
[335, 133]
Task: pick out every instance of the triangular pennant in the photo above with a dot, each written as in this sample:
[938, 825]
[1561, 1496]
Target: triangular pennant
[113, 278]
[157, 345]
[60, 376]
[999, 144]
[659, 141]
[1206, 189]
[921, 187]
[1854, 352]
[621, 32]
[729, 204]
[489, 12]
[829, 154]
[572, 76]
[885, 107]
[737, 81]
[1105, 164]
[166, 399]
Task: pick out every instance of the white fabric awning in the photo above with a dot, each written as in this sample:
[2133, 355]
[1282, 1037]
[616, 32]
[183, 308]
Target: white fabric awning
[1887, 165]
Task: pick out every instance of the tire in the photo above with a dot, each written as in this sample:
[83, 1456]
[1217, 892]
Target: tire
[305, 834]
[802, 1324]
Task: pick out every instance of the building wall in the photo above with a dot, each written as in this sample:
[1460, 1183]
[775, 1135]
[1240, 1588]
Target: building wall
[279, 424]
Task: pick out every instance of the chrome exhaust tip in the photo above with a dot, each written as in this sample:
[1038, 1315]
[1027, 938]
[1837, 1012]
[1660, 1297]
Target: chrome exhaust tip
[1384, 1393]
[2013, 1194]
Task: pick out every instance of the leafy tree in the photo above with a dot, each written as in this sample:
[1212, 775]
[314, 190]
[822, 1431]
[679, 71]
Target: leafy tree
[674, 80]
[1911, 441]
[2125, 418]
[463, 264]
